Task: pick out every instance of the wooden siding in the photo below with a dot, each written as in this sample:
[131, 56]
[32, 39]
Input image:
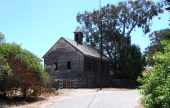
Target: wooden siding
[62, 54]
[93, 76]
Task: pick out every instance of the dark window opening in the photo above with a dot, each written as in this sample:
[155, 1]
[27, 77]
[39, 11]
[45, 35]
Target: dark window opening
[97, 67]
[76, 37]
[55, 66]
[68, 65]
[90, 66]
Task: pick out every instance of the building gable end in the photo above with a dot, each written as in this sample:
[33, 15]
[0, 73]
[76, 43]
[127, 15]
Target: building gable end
[54, 47]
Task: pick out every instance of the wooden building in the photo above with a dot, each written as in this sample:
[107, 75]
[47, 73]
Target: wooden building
[75, 60]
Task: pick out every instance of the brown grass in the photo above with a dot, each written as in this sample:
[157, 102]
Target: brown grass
[47, 95]
[20, 102]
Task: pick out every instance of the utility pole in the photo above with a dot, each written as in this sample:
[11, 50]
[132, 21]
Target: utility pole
[101, 53]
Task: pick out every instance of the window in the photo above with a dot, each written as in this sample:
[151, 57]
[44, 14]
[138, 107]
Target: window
[97, 67]
[68, 65]
[90, 66]
[55, 66]
[76, 37]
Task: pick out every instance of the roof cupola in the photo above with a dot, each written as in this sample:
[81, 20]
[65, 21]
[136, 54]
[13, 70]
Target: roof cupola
[78, 35]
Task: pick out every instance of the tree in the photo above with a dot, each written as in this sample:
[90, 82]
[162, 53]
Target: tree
[155, 46]
[21, 69]
[167, 2]
[118, 21]
[5, 76]
[156, 84]
[2, 38]
[131, 63]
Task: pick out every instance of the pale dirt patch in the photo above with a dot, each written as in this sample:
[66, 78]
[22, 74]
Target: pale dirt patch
[140, 104]
[66, 94]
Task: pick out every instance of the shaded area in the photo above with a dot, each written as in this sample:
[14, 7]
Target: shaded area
[17, 101]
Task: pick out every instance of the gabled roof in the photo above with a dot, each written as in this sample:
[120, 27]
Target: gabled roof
[84, 48]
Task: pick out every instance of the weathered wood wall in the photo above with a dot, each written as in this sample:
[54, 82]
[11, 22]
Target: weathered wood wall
[62, 54]
[93, 75]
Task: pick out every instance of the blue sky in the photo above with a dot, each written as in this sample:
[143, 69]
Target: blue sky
[38, 24]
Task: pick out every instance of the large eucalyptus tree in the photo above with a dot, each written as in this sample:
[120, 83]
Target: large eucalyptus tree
[117, 23]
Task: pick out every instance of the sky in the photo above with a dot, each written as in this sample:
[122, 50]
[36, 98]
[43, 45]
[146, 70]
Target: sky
[37, 25]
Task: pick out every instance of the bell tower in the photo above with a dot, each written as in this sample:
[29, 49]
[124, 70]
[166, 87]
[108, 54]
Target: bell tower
[78, 35]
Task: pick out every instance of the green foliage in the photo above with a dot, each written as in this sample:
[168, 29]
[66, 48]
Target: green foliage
[130, 63]
[155, 46]
[118, 21]
[167, 2]
[2, 38]
[156, 84]
[19, 68]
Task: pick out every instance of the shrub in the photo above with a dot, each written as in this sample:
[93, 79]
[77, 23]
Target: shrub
[21, 69]
[156, 84]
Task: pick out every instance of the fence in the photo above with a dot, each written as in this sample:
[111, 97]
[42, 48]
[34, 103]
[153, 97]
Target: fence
[65, 83]
[122, 83]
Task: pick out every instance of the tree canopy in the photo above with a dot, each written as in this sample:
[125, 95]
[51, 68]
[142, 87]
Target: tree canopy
[121, 18]
[155, 46]
[21, 69]
[117, 23]
[130, 63]
[2, 38]
[167, 2]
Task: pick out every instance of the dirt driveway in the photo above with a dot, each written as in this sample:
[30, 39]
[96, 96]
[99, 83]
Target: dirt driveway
[68, 94]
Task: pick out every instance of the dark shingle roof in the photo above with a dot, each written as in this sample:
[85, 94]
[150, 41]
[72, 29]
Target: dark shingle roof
[85, 48]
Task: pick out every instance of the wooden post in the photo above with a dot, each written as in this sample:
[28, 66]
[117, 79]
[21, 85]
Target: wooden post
[66, 83]
[70, 83]
[74, 84]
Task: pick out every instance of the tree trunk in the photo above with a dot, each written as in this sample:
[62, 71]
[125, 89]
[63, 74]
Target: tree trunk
[4, 95]
[24, 91]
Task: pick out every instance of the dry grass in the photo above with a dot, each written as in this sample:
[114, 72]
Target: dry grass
[47, 95]
[19, 101]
